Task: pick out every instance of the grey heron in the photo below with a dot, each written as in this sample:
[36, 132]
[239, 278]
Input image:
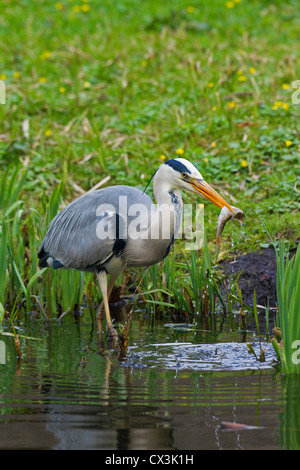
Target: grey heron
[119, 227]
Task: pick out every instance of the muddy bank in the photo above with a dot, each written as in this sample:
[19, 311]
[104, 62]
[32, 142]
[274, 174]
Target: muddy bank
[258, 272]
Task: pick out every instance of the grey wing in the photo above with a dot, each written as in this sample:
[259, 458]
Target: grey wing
[88, 231]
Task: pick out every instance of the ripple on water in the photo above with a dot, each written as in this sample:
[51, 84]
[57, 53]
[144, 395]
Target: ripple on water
[217, 357]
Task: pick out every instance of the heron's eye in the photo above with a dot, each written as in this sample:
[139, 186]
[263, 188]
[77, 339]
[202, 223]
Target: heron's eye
[184, 175]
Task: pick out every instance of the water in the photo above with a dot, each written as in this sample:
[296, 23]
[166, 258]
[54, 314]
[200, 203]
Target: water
[171, 388]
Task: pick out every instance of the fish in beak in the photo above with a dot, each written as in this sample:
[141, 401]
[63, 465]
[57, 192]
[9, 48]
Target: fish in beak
[227, 212]
[223, 218]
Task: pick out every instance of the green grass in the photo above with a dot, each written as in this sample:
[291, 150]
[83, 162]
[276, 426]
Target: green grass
[115, 89]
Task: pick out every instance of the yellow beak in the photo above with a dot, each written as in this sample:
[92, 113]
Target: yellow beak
[209, 193]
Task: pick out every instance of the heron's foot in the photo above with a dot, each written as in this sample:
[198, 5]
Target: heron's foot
[112, 333]
[112, 337]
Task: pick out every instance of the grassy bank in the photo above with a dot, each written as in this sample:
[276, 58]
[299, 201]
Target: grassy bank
[97, 89]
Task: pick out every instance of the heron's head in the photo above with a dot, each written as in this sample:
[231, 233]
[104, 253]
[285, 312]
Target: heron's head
[182, 174]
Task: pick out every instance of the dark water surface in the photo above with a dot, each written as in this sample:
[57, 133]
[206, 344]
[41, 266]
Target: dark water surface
[171, 389]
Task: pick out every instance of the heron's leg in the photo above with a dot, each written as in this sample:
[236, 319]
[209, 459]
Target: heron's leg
[102, 278]
[109, 290]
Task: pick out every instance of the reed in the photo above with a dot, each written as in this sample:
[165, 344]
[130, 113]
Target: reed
[288, 298]
[185, 283]
[23, 286]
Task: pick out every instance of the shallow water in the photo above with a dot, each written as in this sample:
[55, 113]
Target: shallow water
[172, 388]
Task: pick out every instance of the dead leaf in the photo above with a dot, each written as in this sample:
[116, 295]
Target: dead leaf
[18, 345]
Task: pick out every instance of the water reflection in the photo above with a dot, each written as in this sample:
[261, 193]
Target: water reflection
[70, 392]
[290, 413]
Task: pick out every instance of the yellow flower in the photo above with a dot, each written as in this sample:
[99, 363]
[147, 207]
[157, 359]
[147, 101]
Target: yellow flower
[163, 157]
[85, 7]
[86, 84]
[210, 84]
[190, 9]
[59, 6]
[242, 78]
[3, 77]
[214, 144]
[205, 160]
[76, 8]
[229, 4]
[244, 163]
[180, 151]
[280, 104]
[42, 79]
[45, 55]
[237, 1]
[17, 75]
[214, 108]
[48, 133]
[285, 86]
[252, 70]
[62, 89]
[277, 105]
[231, 104]
[288, 143]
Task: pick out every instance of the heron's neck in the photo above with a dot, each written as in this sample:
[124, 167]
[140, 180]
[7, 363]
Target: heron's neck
[164, 193]
[165, 222]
